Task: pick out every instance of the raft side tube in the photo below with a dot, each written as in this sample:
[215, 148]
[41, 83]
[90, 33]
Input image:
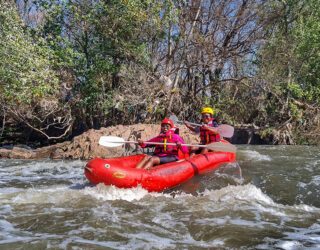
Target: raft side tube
[121, 171]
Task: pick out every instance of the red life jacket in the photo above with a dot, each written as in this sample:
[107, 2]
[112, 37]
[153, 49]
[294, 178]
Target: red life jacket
[206, 136]
[166, 149]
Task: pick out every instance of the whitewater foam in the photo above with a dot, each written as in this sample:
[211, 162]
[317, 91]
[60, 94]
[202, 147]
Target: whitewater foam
[255, 155]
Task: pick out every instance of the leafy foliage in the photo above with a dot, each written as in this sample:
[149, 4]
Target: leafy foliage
[29, 89]
[289, 65]
[67, 66]
[26, 73]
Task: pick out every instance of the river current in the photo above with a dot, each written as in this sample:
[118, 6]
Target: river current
[270, 202]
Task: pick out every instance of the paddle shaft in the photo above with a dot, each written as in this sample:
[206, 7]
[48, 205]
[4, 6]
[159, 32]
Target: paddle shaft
[161, 143]
[113, 141]
[194, 124]
[191, 123]
[212, 146]
[224, 130]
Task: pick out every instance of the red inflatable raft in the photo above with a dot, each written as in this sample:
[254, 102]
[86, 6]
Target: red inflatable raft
[121, 171]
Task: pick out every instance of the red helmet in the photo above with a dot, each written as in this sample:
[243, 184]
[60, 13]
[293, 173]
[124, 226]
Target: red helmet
[167, 121]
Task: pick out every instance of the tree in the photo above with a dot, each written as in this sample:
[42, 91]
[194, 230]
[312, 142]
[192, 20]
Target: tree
[109, 41]
[206, 50]
[28, 84]
[289, 72]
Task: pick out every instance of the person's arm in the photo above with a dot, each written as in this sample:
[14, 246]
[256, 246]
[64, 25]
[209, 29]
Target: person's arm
[195, 129]
[180, 141]
[211, 129]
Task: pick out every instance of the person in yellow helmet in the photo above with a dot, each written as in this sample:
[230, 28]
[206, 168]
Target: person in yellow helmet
[208, 131]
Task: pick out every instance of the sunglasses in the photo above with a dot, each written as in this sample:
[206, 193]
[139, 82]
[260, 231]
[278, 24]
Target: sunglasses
[206, 116]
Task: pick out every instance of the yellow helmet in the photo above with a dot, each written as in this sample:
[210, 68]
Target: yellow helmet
[207, 110]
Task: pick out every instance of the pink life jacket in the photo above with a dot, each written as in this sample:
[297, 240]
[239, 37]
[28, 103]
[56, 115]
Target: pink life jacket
[166, 149]
[207, 136]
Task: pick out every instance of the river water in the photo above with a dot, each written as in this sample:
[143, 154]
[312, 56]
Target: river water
[270, 202]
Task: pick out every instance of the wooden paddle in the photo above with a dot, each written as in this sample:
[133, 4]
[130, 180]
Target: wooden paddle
[223, 129]
[114, 141]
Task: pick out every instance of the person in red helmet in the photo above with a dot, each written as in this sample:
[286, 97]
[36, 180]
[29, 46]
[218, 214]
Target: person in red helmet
[163, 153]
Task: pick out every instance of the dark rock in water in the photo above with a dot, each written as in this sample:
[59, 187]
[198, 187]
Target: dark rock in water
[247, 134]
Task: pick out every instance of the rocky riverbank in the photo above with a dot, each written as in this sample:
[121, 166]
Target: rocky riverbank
[86, 146]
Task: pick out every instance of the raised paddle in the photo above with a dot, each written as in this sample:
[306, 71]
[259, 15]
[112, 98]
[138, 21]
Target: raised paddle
[114, 141]
[223, 129]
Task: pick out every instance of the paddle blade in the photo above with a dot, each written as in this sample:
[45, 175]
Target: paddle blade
[226, 130]
[111, 141]
[222, 147]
